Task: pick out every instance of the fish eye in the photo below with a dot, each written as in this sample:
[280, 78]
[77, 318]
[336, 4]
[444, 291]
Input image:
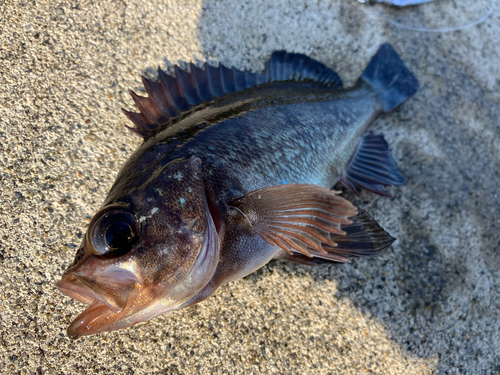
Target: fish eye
[113, 231]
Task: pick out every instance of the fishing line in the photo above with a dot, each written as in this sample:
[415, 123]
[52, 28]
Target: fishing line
[444, 29]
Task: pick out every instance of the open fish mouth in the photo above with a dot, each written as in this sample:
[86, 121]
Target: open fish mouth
[73, 287]
[82, 325]
[118, 298]
[106, 301]
[113, 291]
[102, 312]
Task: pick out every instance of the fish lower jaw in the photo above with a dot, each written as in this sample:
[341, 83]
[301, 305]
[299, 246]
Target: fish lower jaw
[82, 325]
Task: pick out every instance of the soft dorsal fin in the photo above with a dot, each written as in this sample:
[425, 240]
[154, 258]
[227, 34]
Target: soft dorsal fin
[170, 97]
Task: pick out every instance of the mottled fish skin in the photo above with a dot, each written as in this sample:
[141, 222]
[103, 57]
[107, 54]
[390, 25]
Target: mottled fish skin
[186, 187]
[261, 143]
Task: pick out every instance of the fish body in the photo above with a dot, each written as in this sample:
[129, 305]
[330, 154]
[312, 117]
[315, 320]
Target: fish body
[235, 170]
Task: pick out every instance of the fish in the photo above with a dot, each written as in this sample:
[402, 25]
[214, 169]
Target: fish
[236, 168]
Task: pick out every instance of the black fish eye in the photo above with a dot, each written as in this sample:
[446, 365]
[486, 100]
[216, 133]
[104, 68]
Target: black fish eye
[118, 235]
[113, 231]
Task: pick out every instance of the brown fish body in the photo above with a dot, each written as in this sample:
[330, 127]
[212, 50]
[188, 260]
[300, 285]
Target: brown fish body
[215, 193]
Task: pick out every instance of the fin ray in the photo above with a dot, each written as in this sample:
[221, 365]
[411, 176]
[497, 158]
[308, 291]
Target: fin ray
[273, 214]
[171, 96]
[363, 173]
[363, 237]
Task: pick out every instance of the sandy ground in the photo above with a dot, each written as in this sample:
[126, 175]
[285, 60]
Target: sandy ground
[428, 305]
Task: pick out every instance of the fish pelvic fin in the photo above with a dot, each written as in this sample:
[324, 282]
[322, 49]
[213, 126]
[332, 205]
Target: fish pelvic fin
[171, 97]
[371, 167]
[389, 76]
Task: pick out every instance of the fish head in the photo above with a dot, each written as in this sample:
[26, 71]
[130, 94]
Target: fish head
[146, 252]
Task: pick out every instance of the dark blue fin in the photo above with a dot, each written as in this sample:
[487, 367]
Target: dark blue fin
[372, 166]
[387, 73]
[363, 237]
[172, 96]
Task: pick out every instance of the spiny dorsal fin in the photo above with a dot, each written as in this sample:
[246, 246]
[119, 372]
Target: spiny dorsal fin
[172, 96]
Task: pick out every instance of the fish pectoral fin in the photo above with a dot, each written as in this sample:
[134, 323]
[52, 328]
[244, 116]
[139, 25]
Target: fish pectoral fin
[362, 237]
[372, 166]
[299, 218]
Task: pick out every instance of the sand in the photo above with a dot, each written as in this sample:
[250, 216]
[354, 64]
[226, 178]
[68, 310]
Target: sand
[428, 305]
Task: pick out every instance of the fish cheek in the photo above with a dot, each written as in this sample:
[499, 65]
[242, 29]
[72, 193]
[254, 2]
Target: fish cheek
[174, 215]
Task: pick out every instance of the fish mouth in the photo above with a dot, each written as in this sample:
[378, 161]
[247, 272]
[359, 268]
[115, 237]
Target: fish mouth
[117, 298]
[71, 286]
[114, 291]
[106, 306]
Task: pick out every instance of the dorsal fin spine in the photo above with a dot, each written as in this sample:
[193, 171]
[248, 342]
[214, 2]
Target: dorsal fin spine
[187, 86]
[239, 79]
[227, 80]
[174, 91]
[172, 96]
[140, 102]
[215, 79]
[147, 85]
[202, 83]
[138, 120]
[160, 96]
[250, 79]
[286, 66]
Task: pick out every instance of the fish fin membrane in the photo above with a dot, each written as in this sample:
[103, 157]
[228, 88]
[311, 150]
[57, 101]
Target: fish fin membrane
[372, 166]
[389, 76]
[299, 218]
[171, 97]
[363, 238]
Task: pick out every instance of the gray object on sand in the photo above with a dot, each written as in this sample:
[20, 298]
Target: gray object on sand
[398, 3]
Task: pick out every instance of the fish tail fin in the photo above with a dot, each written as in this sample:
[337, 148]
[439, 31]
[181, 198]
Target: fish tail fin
[389, 76]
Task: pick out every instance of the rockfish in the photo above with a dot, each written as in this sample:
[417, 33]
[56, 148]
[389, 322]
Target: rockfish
[236, 169]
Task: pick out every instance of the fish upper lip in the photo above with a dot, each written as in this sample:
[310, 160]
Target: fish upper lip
[77, 287]
[71, 285]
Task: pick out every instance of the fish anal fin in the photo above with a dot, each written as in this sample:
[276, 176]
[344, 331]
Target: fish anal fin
[299, 218]
[302, 259]
[172, 96]
[371, 167]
